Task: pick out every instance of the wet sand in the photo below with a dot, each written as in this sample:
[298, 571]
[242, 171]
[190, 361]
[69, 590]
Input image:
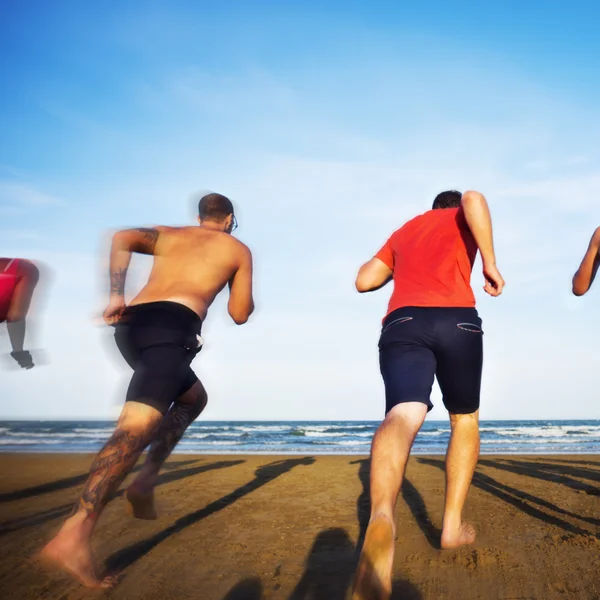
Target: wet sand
[262, 527]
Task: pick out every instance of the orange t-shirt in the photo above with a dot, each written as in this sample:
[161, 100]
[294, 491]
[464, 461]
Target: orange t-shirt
[432, 258]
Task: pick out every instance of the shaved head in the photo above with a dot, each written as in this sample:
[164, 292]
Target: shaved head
[214, 207]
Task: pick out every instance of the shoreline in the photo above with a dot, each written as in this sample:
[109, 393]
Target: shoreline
[193, 453]
[273, 422]
[317, 438]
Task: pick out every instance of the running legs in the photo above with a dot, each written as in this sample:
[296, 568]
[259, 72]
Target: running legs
[71, 547]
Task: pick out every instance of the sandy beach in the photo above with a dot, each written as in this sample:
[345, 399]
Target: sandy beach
[259, 527]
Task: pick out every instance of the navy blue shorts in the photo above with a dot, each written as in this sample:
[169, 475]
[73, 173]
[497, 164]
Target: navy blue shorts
[159, 340]
[418, 344]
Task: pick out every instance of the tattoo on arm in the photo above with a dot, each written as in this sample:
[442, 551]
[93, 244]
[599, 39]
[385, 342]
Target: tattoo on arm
[117, 281]
[109, 468]
[146, 243]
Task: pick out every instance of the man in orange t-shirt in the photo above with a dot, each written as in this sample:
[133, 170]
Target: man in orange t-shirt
[431, 330]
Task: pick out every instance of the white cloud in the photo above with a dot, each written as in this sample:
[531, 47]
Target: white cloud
[569, 194]
[578, 160]
[23, 235]
[18, 194]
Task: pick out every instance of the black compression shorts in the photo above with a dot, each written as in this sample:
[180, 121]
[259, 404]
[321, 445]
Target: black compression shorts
[159, 340]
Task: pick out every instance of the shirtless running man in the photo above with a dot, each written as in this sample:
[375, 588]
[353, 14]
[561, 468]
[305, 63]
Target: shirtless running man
[18, 279]
[583, 279]
[158, 335]
[432, 330]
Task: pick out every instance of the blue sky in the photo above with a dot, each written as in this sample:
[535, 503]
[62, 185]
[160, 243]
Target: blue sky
[329, 125]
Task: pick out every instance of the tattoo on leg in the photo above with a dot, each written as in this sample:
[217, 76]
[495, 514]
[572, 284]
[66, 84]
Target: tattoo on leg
[177, 420]
[109, 468]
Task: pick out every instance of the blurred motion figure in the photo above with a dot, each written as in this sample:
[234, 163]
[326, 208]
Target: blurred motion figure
[18, 279]
[158, 334]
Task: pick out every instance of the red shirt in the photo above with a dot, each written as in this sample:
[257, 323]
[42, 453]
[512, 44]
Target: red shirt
[432, 258]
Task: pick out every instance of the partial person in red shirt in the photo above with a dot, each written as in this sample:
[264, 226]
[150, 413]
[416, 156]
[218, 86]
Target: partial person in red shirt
[584, 278]
[18, 279]
[432, 330]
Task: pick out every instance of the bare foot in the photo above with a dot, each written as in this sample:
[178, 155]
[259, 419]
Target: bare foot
[464, 535]
[75, 558]
[142, 504]
[374, 574]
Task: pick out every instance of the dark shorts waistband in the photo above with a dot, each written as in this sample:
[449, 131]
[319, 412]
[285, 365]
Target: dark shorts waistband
[180, 311]
[434, 311]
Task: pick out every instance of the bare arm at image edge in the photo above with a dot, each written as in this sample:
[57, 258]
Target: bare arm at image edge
[241, 302]
[479, 221]
[584, 278]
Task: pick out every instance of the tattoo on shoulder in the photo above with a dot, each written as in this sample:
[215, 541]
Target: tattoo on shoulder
[147, 242]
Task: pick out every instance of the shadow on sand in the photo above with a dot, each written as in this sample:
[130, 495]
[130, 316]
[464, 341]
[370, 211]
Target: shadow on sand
[248, 589]
[330, 569]
[65, 509]
[576, 461]
[263, 475]
[363, 503]
[549, 471]
[520, 499]
[67, 482]
[410, 494]
[415, 502]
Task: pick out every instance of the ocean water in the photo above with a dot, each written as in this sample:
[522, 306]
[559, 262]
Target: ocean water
[308, 437]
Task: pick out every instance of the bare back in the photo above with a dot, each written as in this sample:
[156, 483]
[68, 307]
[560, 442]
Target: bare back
[192, 265]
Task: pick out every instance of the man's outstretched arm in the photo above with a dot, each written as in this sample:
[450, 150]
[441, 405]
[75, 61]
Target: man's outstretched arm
[124, 243]
[372, 276]
[583, 279]
[479, 220]
[241, 301]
